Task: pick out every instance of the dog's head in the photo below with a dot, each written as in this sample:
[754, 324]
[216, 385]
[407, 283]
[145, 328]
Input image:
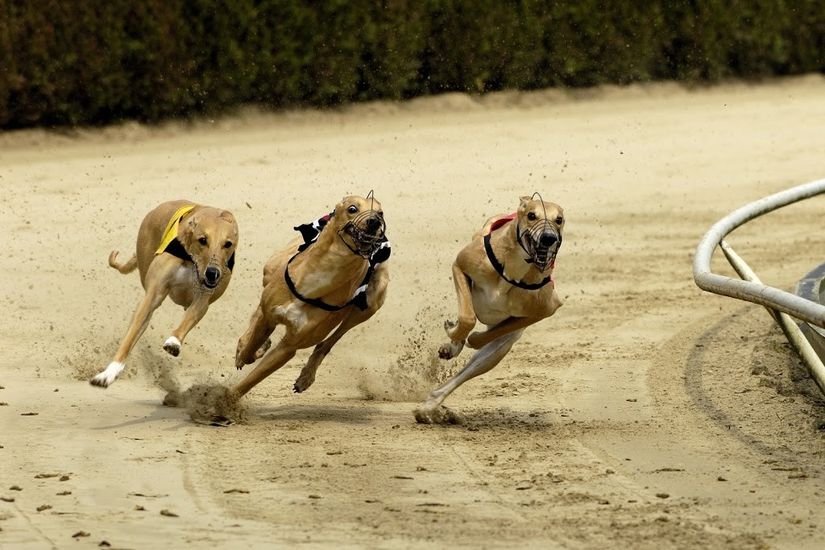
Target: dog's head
[540, 226]
[360, 223]
[210, 236]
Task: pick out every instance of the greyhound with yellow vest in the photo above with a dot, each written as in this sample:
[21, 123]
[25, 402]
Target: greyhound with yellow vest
[184, 251]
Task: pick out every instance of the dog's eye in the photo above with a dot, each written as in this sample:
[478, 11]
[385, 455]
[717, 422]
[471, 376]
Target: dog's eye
[559, 220]
[352, 209]
[227, 244]
[531, 216]
[202, 240]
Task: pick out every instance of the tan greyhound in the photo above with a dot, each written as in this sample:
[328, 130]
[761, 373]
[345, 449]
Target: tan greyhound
[184, 251]
[335, 277]
[503, 279]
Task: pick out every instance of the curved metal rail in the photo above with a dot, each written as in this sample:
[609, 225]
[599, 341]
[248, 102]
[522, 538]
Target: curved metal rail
[764, 295]
[793, 332]
[779, 303]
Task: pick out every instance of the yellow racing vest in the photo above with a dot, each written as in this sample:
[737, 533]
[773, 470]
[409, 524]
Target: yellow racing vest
[171, 232]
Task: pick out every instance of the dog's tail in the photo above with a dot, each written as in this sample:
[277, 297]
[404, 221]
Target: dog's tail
[128, 267]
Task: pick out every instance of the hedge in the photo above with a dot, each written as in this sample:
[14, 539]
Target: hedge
[97, 61]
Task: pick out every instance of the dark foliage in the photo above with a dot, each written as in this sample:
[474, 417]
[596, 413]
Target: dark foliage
[93, 62]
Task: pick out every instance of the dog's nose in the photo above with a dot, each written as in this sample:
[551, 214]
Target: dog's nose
[373, 225]
[547, 239]
[211, 275]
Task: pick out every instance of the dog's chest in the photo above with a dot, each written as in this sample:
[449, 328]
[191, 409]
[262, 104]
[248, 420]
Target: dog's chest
[493, 303]
[183, 283]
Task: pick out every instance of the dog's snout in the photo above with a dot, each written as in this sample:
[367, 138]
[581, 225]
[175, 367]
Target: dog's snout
[373, 224]
[212, 275]
[547, 239]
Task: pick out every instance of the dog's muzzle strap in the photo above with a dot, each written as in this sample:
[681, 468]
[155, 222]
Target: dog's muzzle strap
[532, 251]
[499, 267]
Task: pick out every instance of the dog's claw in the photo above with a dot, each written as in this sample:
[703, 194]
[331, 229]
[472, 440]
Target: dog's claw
[99, 382]
[445, 352]
[303, 382]
[104, 378]
[450, 350]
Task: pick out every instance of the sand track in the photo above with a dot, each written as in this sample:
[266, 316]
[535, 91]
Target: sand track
[645, 413]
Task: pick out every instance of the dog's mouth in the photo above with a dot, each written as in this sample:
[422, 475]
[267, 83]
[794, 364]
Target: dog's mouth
[365, 233]
[211, 277]
[542, 244]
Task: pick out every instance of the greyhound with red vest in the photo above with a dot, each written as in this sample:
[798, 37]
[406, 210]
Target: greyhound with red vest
[503, 279]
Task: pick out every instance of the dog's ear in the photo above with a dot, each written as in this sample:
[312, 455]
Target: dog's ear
[186, 231]
[523, 201]
[227, 215]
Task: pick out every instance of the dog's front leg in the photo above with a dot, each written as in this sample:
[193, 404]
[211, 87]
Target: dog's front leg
[155, 294]
[458, 331]
[478, 340]
[253, 344]
[194, 313]
[307, 376]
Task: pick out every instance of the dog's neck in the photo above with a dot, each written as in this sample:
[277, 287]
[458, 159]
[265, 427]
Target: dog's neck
[512, 255]
[328, 269]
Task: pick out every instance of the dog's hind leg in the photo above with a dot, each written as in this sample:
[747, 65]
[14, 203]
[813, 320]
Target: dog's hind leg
[482, 361]
[307, 376]
[128, 267]
[194, 313]
[272, 361]
[253, 339]
[376, 293]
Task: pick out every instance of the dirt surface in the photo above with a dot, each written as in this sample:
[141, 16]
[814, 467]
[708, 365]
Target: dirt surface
[644, 414]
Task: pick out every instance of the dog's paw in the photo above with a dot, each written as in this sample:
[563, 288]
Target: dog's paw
[450, 350]
[172, 346]
[304, 380]
[104, 378]
[437, 415]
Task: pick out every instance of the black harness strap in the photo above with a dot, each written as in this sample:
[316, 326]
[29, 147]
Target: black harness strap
[359, 300]
[175, 248]
[500, 268]
[310, 233]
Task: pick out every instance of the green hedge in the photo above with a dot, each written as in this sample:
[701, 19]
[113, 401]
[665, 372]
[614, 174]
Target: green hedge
[92, 62]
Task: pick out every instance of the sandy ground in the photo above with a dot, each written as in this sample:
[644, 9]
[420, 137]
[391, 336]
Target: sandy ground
[645, 413]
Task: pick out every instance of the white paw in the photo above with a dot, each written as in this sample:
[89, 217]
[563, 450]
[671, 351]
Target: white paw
[104, 378]
[172, 346]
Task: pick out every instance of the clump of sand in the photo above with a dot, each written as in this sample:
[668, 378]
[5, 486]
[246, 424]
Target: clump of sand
[206, 403]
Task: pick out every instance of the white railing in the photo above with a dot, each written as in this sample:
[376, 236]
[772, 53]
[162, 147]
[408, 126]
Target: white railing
[750, 288]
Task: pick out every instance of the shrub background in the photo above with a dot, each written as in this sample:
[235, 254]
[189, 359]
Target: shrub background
[93, 62]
